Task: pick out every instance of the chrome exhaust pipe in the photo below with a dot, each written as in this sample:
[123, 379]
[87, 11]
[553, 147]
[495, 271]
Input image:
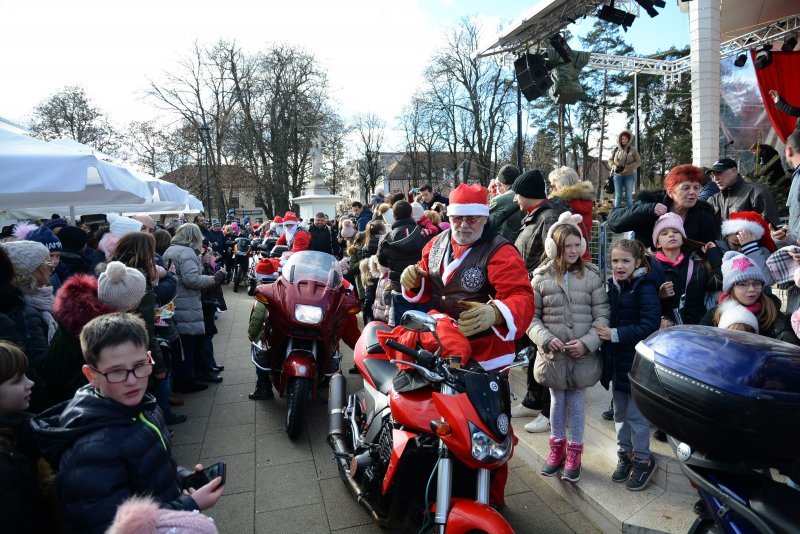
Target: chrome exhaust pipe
[341, 451]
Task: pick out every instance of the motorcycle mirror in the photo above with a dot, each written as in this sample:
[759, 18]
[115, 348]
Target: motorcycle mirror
[418, 321]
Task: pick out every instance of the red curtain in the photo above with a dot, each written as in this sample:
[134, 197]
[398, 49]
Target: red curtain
[783, 75]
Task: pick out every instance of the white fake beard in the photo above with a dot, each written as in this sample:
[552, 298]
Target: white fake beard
[467, 237]
[290, 231]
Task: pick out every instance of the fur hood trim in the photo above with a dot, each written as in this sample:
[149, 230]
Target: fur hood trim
[631, 143]
[76, 303]
[582, 190]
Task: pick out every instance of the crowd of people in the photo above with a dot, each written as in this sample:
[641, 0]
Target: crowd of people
[101, 323]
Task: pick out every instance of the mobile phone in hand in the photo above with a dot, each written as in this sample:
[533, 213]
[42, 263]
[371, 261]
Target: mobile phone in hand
[201, 478]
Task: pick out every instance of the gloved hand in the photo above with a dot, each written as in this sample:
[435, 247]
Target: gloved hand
[478, 317]
[411, 278]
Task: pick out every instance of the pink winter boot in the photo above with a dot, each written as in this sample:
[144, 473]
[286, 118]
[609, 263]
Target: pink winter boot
[572, 468]
[556, 458]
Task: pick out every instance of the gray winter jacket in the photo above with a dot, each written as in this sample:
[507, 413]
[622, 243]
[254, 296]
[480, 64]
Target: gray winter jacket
[188, 307]
[569, 310]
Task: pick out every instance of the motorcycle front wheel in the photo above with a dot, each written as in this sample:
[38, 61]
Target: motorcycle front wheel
[296, 397]
[237, 279]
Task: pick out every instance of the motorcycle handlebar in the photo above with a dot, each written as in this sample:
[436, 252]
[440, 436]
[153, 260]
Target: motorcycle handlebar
[422, 356]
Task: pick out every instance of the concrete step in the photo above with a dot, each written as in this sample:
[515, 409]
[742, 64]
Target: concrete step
[664, 506]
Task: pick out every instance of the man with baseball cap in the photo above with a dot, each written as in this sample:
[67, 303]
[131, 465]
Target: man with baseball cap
[737, 195]
[475, 276]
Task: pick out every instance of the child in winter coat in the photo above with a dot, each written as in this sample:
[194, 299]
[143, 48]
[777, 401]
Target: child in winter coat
[635, 314]
[21, 503]
[111, 441]
[689, 277]
[255, 331]
[382, 307]
[747, 232]
[571, 304]
[743, 282]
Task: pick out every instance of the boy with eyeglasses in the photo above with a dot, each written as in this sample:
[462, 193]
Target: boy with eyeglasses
[111, 441]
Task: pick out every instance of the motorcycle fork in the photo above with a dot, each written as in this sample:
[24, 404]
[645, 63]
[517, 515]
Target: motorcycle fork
[444, 480]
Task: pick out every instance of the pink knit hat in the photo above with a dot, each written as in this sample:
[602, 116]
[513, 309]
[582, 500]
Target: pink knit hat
[143, 516]
[668, 220]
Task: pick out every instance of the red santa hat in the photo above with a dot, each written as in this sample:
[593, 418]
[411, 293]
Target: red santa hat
[278, 220]
[290, 217]
[752, 221]
[468, 200]
[265, 267]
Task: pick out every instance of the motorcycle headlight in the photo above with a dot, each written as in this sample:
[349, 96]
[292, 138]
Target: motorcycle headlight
[308, 314]
[487, 450]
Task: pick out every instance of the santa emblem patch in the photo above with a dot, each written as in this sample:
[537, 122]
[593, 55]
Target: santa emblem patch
[472, 279]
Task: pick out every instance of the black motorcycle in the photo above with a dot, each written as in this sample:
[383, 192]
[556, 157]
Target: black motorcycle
[242, 261]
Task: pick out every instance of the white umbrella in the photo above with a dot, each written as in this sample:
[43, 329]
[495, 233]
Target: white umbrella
[35, 173]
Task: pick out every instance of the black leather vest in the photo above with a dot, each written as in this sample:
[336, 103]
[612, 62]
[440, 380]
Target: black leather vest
[469, 282]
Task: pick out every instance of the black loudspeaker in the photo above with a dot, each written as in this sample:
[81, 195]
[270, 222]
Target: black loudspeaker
[532, 76]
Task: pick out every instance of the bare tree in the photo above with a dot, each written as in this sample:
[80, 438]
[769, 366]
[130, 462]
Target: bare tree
[198, 92]
[473, 96]
[70, 113]
[370, 129]
[147, 143]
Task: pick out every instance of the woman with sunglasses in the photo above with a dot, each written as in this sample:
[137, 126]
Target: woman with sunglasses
[743, 282]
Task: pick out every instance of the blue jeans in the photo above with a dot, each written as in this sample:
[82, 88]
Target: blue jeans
[625, 182]
[633, 430]
[400, 305]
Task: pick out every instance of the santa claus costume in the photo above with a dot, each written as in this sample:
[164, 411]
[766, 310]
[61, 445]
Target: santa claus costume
[473, 274]
[293, 236]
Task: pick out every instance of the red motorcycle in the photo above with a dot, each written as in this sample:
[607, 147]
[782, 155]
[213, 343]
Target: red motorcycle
[455, 423]
[307, 306]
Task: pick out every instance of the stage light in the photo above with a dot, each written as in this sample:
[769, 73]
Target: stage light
[764, 57]
[561, 46]
[789, 44]
[740, 61]
[647, 5]
[616, 16]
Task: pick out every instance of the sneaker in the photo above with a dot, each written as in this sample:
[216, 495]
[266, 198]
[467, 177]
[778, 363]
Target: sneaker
[624, 467]
[608, 415]
[173, 418]
[642, 473]
[540, 424]
[520, 410]
[660, 435]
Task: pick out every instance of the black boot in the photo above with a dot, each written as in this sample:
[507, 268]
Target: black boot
[263, 391]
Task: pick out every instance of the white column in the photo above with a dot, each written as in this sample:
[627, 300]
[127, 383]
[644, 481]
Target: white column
[704, 39]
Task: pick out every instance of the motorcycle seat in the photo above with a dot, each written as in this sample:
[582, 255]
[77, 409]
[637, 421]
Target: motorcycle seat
[382, 373]
[370, 335]
[776, 503]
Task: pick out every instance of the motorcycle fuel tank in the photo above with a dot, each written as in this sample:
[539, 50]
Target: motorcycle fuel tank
[414, 409]
[726, 393]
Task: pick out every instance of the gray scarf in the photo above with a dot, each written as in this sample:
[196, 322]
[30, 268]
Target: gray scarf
[42, 300]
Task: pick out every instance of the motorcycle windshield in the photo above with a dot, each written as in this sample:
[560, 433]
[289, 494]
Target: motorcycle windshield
[315, 266]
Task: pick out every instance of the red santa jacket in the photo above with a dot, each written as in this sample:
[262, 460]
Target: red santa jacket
[513, 297]
[301, 241]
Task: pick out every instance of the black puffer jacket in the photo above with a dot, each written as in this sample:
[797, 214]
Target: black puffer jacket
[700, 223]
[635, 314]
[400, 248]
[104, 452]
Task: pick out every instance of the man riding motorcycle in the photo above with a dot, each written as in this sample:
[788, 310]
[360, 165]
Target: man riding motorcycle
[293, 236]
[476, 276]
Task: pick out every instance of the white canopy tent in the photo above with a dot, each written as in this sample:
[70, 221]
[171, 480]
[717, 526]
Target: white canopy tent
[35, 173]
[128, 191]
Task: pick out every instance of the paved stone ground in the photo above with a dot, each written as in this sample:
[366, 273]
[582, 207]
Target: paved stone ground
[277, 485]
